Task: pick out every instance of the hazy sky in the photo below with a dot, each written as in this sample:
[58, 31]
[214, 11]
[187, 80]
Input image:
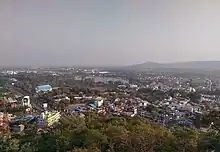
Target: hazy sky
[108, 32]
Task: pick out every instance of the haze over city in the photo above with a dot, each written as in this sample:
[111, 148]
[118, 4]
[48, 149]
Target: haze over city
[109, 76]
[108, 33]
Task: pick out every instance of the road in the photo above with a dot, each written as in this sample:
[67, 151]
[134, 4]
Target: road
[22, 92]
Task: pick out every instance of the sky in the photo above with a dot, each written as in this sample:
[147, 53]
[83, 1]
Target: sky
[107, 32]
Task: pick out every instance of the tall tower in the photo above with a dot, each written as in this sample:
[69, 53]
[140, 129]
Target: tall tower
[210, 85]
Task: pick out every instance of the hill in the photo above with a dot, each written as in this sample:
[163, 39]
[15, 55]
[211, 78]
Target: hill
[200, 65]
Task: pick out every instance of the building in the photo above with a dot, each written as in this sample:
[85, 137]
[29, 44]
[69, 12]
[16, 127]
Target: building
[43, 88]
[26, 101]
[51, 117]
[99, 102]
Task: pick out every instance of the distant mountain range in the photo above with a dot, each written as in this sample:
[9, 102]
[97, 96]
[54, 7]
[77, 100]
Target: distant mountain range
[199, 65]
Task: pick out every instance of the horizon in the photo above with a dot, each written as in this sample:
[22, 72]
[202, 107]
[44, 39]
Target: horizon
[190, 61]
[103, 66]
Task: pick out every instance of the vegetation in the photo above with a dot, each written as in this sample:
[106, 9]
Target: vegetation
[110, 134]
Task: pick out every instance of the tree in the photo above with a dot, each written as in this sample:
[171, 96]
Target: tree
[110, 134]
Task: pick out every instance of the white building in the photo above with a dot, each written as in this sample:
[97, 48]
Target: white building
[99, 102]
[26, 101]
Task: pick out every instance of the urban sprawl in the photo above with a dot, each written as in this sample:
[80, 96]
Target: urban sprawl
[46, 97]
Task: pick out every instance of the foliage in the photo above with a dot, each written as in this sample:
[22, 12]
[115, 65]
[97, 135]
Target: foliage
[110, 134]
